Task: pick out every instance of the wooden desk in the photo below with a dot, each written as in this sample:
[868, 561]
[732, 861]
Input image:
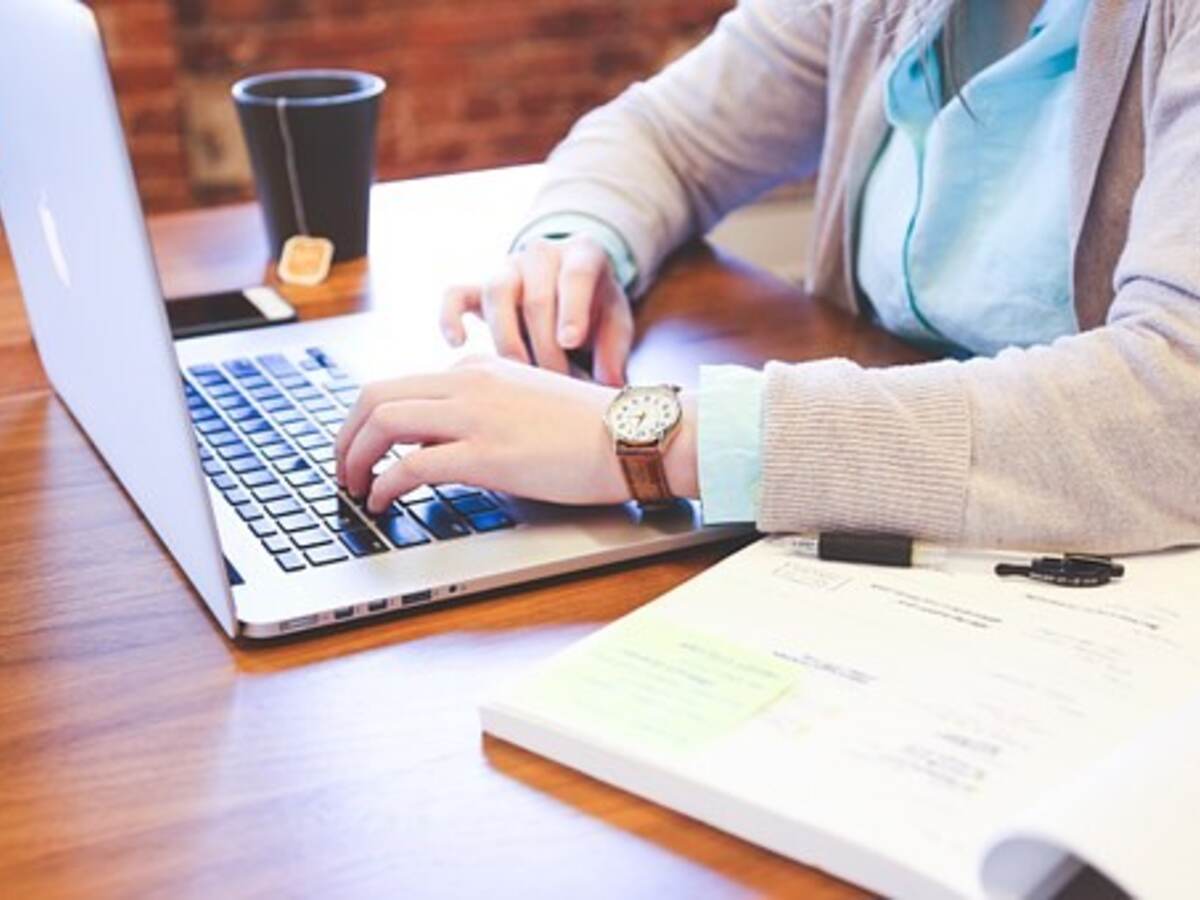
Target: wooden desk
[141, 754]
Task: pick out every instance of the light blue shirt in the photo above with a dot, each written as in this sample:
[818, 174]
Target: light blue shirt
[964, 242]
[963, 246]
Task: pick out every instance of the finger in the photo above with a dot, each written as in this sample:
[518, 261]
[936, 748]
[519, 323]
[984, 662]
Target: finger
[415, 387]
[439, 464]
[500, 299]
[405, 422]
[614, 337]
[458, 302]
[539, 269]
[579, 280]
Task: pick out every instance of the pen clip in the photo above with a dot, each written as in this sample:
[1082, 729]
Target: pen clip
[1069, 570]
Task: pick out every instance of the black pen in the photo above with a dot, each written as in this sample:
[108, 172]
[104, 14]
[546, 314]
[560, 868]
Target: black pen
[877, 549]
[872, 549]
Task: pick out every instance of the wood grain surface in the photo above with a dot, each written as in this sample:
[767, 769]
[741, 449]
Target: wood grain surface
[141, 754]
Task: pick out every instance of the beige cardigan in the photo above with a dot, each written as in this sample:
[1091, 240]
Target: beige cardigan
[1091, 443]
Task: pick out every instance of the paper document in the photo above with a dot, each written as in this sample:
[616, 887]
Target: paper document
[888, 725]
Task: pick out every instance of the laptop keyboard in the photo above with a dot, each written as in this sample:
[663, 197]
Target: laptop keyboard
[266, 430]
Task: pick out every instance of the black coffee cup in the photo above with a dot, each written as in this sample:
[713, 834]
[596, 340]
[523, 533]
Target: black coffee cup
[311, 137]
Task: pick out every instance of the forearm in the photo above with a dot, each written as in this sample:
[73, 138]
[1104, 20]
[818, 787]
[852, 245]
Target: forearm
[1088, 444]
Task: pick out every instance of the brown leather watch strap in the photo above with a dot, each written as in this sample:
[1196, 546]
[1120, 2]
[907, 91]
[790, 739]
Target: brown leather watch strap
[645, 474]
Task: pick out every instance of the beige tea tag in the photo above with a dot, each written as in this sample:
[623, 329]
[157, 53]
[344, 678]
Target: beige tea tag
[305, 260]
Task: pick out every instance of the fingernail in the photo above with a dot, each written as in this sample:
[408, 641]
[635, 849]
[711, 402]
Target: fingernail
[568, 335]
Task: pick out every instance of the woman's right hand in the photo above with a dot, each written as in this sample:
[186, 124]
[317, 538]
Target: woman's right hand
[550, 298]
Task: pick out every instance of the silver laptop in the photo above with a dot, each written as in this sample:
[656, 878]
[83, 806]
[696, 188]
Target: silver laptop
[225, 443]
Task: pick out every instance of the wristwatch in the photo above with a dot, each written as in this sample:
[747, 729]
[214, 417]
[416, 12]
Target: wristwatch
[642, 421]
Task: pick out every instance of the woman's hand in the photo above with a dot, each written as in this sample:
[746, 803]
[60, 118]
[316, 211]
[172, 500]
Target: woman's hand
[551, 297]
[497, 425]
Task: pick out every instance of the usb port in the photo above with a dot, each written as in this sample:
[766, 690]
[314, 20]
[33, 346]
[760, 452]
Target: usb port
[416, 597]
[344, 613]
[299, 623]
[377, 606]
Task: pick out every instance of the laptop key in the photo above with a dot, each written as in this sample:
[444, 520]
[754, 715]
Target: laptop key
[290, 561]
[361, 542]
[323, 359]
[258, 478]
[222, 389]
[329, 468]
[202, 412]
[400, 530]
[277, 543]
[340, 515]
[456, 491]
[440, 519]
[220, 437]
[295, 429]
[302, 479]
[223, 482]
[297, 522]
[249, 512]
[290, 463]
[265, 438]
[276, 405]
[233, 451]
[491, 521]
[476, 503]
[327, 507]
[322, 454]
[276, 451]
[237, 497]
[276, 363]
[253, 426]
[241, 368]
[310, 537]
[242, 413]
[210, 426]
[231, 401]
[284, 506]
[323, 556]
[315, 492]
[263, 528]
[245, 464]
[211, 467]
[419, 493]
[288, 416]
[270, 493]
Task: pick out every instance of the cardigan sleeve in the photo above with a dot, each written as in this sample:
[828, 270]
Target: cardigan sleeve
[1090, 443]
[740, 113]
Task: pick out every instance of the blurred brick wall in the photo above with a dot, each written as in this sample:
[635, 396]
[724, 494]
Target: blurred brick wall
[473, 83]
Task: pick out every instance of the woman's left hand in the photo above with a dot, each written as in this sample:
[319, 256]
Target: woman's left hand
[493, 424]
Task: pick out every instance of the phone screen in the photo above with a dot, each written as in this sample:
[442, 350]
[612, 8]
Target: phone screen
[214, 313]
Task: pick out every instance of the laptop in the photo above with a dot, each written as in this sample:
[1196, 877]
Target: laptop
[225, 442]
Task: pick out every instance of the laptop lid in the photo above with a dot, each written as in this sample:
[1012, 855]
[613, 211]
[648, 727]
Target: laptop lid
[78, 239]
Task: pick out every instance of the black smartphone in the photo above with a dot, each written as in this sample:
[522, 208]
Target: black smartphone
[251, 307]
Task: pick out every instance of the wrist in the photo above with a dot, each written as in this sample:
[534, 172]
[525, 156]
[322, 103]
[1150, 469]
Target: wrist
[679, 460]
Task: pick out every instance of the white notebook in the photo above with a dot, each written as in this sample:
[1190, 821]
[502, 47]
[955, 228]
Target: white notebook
[920, 733]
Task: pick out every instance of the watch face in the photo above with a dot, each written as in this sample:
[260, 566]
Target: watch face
[643, 415]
